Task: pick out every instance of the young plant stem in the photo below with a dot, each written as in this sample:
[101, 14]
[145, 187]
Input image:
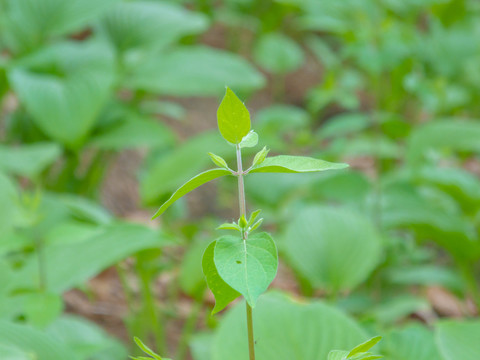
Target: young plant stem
[243, 212]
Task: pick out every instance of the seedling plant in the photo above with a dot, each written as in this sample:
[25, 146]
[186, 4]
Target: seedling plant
[243, 263]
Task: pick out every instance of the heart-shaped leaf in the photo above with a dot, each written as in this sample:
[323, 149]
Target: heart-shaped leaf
[247, 266]
[223, 293]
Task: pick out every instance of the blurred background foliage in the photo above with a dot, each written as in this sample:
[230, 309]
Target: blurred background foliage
[107, 107]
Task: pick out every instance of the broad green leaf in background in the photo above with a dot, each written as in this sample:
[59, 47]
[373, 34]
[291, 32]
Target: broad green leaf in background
[413, 341]
[458, 339]
[295, 164]
[28, 160]
[190, 185]
[334, 248]
[146, 24]
[233, 118]
[191, 278]
[135, 132]
[168, 172]
[196, 71]
[286, 330]
[278, 53]
[30, 23]
[9, 209]
[65, 104]
[344, 124]
[404, 207]
[392, 310]
[42, 308]
[426, 275]
[223, 292]
[247, 266]
[461, 184]
[14, 353]
[86, 339]
[71, 264]
[452, 134]
[34, 342]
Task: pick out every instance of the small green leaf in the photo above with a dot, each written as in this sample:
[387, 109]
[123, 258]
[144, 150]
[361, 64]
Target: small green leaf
[260, 156]
[242, 222]
[367, 345]
[218, 160]
[190, 185]
[229, 226]
[253, 217]
[249, 140]
[256, 225]
[146, 349]
[233, 118]
[337, 355]
[223, 293]
[247, 266]
[295, 164]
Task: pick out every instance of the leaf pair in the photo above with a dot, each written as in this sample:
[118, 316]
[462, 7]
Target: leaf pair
[235, 267]
[359, 352]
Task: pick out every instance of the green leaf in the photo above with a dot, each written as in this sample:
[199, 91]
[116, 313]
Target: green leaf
[458, 339]
[277, 53]
[253, 216]
[319, 238]
[136, 25]
[260, 156]
[71, 264]
[411, 342]
[218, 160]
[134, 132]
[281, 325]
[191, 278]
[190, 185]
[337, 355]
[256, 225]
[229, 226]
[364, 347]
[9, 204]
[249, 140]
[195, 71]
[14, 353]
[223, 293]
[233, 118]
[29, 23]
[42, 308]
[295, 164]
[65, 104]
[247, 266]
[454, 134]
[28, 160]
[146, 349]
[34, 342]
[86, 339]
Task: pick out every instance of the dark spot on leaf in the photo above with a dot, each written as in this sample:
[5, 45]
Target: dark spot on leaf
[239, 262]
